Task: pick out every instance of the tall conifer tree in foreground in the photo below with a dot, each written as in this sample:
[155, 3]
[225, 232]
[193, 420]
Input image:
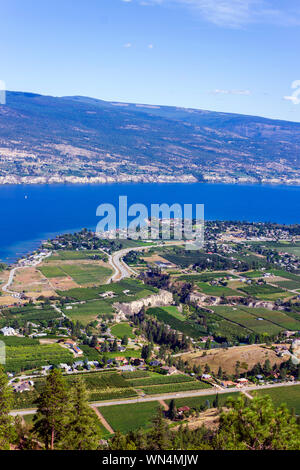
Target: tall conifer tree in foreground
[82, 431]
[8, 433]
[52, 410]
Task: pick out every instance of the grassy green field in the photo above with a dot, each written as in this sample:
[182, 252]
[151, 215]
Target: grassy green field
[67, 255]
[135, 353]
[130, 417]
[244, 317]
[122, 329]
[52, 271]
[81, 273]
[253, 274]
[89, 311]
[217, 291]
[174, 312]
[290, 395]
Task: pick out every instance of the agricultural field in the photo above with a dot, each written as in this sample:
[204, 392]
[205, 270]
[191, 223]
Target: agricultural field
[89, 311]
[250, 258]
[264, 291]
[291, 248]
[248, 356]
[253, 274]
[159, 379]
[185, 326]
[91, 354]
[133, 353]
[87, 273]
[288, 284]
[82, 274]
[226, 329]
[67, 255]
[52, 271]
[174, 312]
[19, 341]
[157, 383]
[290, 395]
[197, 402]
[280, 318]
[136, 290]
[122, 329]
[137, 374]
[184, 258]
[243, 316]
[28, 313]
[100, 386]
[26, 357]
[126, 418]
[217, 291]
[173, 388]
[284, 274]
[205, 277]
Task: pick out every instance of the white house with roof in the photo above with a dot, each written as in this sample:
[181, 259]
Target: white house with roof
[8, 331]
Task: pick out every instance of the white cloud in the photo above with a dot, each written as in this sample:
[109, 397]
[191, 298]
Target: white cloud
[231, 92]
[150, 46]
[295, 97]
[236, 13]
[127, 45]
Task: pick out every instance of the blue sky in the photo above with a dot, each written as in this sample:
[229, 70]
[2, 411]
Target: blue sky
[225, 55]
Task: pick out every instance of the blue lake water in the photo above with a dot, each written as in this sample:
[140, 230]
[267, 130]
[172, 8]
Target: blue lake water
[29, 214]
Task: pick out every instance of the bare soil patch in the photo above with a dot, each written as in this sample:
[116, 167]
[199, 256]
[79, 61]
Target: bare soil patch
[246, 355]
[32, 282]
[209, 418]
[63, 283]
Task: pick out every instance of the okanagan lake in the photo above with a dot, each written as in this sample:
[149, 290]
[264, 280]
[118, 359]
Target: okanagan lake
[32, 213]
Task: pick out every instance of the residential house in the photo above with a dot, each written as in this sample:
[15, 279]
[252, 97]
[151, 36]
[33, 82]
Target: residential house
[169, 370]
[8, 331]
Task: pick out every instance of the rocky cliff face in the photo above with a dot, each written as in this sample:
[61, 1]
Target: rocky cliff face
[156, 300]
[295, 349]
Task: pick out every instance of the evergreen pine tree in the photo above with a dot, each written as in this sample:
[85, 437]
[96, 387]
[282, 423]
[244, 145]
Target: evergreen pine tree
[7, 429]
[82, 431]
[172, 413]
[159, 435]
[52, 410]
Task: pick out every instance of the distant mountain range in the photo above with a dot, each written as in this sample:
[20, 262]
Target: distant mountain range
[80, 139]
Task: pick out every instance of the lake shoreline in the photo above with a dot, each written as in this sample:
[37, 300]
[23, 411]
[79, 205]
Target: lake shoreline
[32, 213]
[168, 182]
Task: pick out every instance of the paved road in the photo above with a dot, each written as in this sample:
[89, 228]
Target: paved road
[168, 396]
[121, 269]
